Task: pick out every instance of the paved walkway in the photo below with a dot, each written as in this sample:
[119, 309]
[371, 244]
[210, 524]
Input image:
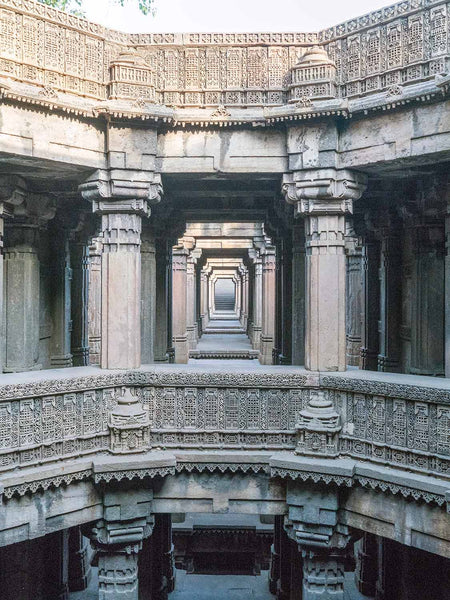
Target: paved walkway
[215, 342]
[237, 587]
[219, 587]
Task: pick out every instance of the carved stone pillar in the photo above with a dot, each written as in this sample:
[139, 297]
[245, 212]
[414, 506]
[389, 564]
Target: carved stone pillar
[298, 293]
[122, 198]
[390, 296]
[447, 285]
[268, 307]
[323, 575]
[354, 299]
[204, 299]
[56, 566]
[148, 298]
[118, 539]
[313, 523]
[95, 301]
[371, 304]
[61, 355]
[190, 302]
[257, 304]
[285, 302]
[179, 310]
[427, 334]
[275, 549]
[12, 193]
[79, 260]
[161, 302]
[21, 284]
[366, 572]
[323, 197]
[79, 561]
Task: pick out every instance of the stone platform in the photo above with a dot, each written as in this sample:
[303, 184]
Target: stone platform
[224, 346]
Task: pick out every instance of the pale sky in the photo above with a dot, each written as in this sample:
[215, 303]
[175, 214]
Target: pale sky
[230, 15]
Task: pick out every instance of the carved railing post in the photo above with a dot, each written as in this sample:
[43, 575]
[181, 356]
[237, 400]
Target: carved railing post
[122, 199]
[318, 426]
[323, 197]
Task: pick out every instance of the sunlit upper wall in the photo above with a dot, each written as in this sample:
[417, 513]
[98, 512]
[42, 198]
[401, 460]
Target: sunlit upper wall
[401, 44]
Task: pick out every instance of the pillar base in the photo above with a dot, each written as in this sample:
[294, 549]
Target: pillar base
[181, 347]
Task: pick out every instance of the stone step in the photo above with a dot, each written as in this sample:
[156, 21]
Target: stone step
[224, 354]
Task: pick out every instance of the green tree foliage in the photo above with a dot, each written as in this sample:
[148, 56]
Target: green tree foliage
[75, 7]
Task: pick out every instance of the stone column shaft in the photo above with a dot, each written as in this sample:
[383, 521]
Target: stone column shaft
[371, 305]
[390, 301]
[21, 285]
[354, 303]
[161, 309]
[148, 299]
[268, 308]
[179, 310]
[427, 335]
[62, 275]
[80, 303]
[323, 197]
[204, 300]
[79, 561]
[190, 302]
[257, 305]
[298, 293]
[95, 301]
[121, 291]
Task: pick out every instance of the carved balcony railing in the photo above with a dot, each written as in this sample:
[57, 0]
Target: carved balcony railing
[399, 421]
[402, 44]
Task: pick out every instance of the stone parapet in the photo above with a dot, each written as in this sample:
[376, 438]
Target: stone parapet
[384, 51]
[386, 419]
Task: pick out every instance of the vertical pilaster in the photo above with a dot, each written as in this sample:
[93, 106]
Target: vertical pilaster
[61, 355]
[371, 304]
[79, 561]
[121, 291]
[324, 197]
[354, 299]
[268, 307]
[298, 293]
[57, 565]
[275, 549]
[161, 302]
[366, 573]
[79, 261]
[148, 298]
[12, 194]
[190, 302]
[390, 297]
[179, 299]
[95, 301]
[21, 298]
[257, 304]
[427, 335]
[204, 299]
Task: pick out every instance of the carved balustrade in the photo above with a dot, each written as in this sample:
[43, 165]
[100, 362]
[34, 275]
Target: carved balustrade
[390, 420]
[384, 50]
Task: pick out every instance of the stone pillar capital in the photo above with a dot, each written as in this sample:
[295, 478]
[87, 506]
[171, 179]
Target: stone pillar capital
[122, 191]
[13, 192]
[323, 191]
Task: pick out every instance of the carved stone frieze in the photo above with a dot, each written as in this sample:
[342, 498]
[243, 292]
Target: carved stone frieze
[48, 49]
